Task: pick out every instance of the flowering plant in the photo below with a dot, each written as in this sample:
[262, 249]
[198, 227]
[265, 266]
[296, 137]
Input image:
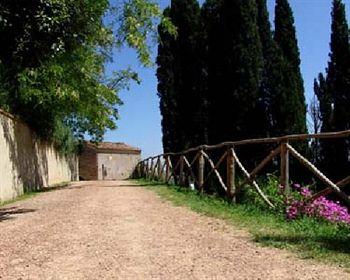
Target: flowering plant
[297, 205]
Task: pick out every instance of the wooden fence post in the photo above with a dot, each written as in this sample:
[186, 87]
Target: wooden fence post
[284, 176]
[167, 168]
[201, 166]
[151, 170]
[182, 175]
[138, 171]
[231, 173]
[154, 168]
[148, 169]
[145, 169]
[159, 172]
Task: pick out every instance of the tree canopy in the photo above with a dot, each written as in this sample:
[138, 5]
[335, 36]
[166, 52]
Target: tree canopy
[228, 67]
[53, 55]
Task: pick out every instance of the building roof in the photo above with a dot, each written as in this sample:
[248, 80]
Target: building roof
[114, 147]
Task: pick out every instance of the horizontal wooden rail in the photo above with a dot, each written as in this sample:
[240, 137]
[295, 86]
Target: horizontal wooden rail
[286, 138]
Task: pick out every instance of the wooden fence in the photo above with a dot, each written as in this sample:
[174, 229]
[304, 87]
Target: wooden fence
[197, 171]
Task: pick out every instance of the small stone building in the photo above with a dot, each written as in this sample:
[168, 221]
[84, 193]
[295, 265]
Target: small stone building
[108, 161]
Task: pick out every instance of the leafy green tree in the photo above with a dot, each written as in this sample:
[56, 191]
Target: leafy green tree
[52, 65]
[138, 24]
[293, 110]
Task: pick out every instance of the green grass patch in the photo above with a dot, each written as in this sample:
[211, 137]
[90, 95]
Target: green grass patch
[309, 238]
[19, 198]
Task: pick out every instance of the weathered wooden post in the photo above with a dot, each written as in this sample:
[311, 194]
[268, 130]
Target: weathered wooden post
[144, 171]
[137, 173]
[147, 169]
[167, 168]
[230, 176]
[201, 166]
[159, 172]
[152, 169]
[284, 176]
[182, 174]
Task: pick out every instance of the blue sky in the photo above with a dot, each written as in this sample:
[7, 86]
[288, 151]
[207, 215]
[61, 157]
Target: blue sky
[139, 123]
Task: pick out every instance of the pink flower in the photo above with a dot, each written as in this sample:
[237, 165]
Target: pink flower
[321, 208]
[305, 192]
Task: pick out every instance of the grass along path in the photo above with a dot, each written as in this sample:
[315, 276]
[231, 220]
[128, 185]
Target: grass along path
[309, 238]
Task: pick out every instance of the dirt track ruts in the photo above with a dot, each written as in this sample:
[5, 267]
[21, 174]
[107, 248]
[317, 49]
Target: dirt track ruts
[113, 230]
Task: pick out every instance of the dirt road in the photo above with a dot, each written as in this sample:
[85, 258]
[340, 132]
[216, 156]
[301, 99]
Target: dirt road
[113, 230]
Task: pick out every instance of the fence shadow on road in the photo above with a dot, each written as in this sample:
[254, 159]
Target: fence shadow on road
[10, 212]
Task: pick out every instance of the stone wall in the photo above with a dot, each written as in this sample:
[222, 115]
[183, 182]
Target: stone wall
[28, 164]
[117, 166]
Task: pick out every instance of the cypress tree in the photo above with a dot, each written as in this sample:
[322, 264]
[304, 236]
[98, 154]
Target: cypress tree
[338, 80]
[273, 96]
[326, 117]
[285, 36]
[234, 66]
[212, 16]
[334, 95]
[180, 82]
[166, 92]
[185, 15]
[325, 100]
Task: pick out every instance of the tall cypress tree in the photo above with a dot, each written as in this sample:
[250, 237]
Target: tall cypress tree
[234, 67]
[333, 93]
[180, 79]
[185, 15]
[325, 100]
[166, 91]
[325, 160]
[273, 96]
[212, 17]
[338, 81]
[285, 36]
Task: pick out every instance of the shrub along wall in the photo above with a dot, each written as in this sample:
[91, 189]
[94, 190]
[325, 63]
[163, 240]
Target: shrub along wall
[27, 163]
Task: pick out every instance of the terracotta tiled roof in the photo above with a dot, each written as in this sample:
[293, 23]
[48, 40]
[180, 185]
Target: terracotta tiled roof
[114, 147]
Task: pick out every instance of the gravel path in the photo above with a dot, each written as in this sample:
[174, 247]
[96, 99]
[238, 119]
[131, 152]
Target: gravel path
[113, 230]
